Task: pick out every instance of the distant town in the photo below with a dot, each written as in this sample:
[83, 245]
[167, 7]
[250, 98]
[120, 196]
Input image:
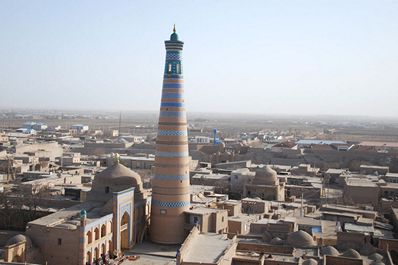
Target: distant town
[330, 184]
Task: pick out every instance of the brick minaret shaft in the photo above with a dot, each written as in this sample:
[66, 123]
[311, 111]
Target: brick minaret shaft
[170, 184]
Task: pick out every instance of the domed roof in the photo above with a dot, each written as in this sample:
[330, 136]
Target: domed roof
[265, 176]
[118, 174]
[300, 238]
[83, 213]
[276, 241]
[376, 256]
[309, 262]
[329, 251]
[18, 239]
[351, 253]
[174, 36]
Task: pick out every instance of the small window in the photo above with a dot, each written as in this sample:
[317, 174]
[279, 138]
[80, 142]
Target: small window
[107, 189]
[222, 219]
[163, 211]
[169, 70]
[178, 68]
[59, 241]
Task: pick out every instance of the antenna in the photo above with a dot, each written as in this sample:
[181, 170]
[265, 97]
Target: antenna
[120, 122]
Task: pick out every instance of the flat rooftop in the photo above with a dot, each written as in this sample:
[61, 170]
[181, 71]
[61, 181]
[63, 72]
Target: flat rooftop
[69, 215]
[207, 248]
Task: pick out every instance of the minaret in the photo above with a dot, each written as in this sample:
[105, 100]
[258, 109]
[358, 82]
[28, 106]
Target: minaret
[170, 184]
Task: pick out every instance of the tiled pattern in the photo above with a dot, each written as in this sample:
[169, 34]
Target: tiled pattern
[164, 204]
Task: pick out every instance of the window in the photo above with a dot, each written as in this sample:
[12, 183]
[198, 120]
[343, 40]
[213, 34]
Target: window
[222, 219]
[59, 241]
[103, 230]
[96, 232]
[163, 211]
[107, 189]
[169, 70]
[178, 68]
[89, 237]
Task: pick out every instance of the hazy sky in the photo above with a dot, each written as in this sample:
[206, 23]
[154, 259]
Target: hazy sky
[270, 57]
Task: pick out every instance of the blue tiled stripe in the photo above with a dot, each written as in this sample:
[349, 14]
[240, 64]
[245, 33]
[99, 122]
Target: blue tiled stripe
[164, 204]
[172, 133]
[171, 95]
[172, 114]
[171, 154]
[168, 177]
[172, 85]
[172, 104]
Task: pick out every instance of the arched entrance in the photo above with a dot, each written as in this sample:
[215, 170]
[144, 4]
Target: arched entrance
[124, 231]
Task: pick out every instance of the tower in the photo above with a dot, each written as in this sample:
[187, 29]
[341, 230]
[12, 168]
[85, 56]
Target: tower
[170, 184]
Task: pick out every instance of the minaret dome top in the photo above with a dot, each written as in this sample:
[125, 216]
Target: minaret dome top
[174, 36]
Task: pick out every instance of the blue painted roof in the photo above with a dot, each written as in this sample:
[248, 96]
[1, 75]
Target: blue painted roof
[327, 142]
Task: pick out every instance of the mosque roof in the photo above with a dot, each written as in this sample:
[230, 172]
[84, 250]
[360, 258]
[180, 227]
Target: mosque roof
[118, 174]
[329, 251]
[276, 241]
[351, 253]
[300, 239]
[265, 176]
[376, 257]
[309, 262]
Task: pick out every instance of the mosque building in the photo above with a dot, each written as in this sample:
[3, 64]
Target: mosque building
[170, 184]
[265, 185]
[111, 220]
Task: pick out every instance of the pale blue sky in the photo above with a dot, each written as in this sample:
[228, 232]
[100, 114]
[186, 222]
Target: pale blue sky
[270, 57]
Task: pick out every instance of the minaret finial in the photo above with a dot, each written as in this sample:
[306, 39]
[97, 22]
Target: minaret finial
[174, 28]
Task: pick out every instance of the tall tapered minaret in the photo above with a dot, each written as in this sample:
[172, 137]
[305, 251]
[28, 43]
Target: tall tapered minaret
[170, 184]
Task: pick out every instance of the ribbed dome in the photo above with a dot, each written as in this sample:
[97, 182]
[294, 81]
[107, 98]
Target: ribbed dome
[329, 251]
[376, 256]
[309, 262]
[18, 239]
[265, 176]
[118, 174]
[300, 238]
[351, 253]
[115, 178]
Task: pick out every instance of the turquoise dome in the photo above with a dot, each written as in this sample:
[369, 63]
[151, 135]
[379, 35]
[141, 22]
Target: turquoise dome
[174, 37]
[83, 213]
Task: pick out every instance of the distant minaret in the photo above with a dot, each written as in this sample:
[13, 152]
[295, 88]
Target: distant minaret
[170, 184]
